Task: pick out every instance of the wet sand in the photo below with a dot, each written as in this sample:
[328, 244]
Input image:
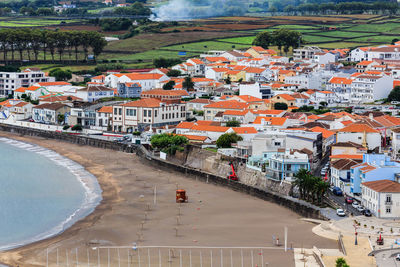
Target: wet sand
[215, 216]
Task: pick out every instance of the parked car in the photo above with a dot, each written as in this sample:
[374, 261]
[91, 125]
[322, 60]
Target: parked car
[348, 200]
[340, 212]
[355, 204]
[398, 257]
[337, 191]
[360, 208]
[367, 213]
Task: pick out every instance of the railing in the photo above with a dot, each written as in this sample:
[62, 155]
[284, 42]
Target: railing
[388, 202]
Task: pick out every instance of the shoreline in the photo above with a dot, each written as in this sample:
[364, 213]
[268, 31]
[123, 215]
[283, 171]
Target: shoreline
[128, 184]
[109, 194]
[89, 183]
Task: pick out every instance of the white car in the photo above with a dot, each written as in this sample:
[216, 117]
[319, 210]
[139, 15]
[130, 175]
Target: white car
[340, 212]
[360, 208]
[355, 204]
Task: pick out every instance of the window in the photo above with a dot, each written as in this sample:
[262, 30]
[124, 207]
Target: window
[388, 198]
[144, 113]
[155, 113]
[120, 111]
[149, 113]
[388, 210]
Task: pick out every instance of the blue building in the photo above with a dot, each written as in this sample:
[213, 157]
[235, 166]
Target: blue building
[373, 168]
[129, 90]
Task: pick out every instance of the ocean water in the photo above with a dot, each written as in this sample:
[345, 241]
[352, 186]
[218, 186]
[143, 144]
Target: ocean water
[41, 193]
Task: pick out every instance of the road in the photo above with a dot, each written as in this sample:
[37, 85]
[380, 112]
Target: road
[346, 207]
[387, 258]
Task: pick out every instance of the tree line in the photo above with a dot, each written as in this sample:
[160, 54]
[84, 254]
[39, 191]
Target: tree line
[342, 8]
[282, 38]
[29, 43]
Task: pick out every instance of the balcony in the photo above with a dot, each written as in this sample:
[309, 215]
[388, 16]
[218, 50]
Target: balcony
[388, 202]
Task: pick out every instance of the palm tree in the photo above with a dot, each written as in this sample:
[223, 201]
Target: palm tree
[300, 181]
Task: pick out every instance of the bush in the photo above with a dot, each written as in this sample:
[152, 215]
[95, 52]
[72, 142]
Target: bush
[66, 127]
[233, 123]
[226, 140]
[77, 127]
[168, 143]
[280, 106]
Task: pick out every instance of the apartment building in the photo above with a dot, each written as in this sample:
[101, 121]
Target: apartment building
[10, 81]
[136, 115]
[368, 88]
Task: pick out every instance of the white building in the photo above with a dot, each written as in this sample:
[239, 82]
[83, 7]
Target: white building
[360, 134]
[382, 197]
[368, 88]
[306, 52]
[341, 173]
[136, 115]
[385, 52]
[259, 90]
[9, 81]
[148, 81]
[93, 93]
[359, 54]
[216, 74]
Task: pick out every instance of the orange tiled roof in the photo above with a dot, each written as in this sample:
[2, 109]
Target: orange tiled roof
[286, 97]
[228, 104]
[105, 109]
[386, 186]
[340, 80]
[236, 112]
[185, 125]
[358, 128]
[325, 133]
[209, 128]
[275, 121]
[245, 130]
[145, 102]
[53, 83]
[347, 156]
[161, 92]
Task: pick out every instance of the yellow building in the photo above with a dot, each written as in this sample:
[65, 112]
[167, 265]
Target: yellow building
[289, 100]
[235, 75]
[285, 73]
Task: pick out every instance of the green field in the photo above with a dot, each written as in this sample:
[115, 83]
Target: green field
[205, 46]
[315, 39]
[246, 40]
[335, 45]
[377, 38]
[344, 34]
[377, 28]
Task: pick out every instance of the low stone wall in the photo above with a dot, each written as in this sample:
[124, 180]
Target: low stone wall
[70, 138]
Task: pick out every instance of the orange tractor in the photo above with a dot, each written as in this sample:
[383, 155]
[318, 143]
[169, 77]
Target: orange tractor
[181, 196]
[232, 176]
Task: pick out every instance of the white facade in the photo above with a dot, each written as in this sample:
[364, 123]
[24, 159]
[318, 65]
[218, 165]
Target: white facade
[358, 54]
[368, 88]
[373, 139]
[9, 81]
[381, 204]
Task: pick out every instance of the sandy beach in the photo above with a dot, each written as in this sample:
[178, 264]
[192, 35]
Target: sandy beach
[214, 217]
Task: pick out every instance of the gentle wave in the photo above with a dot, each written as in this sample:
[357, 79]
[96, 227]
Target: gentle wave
[88, 181]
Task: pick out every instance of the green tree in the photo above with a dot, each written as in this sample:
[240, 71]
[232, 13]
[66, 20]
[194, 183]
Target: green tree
[233, 123]
[228, 80]
[263, 39]
[168, 143]
[226, 140]
[340, 262]
[188, 84]
[169, 85]
[61, 75]
[280, 106]
[174, 73]
[77, 128]
[394, 94]
[60, 118]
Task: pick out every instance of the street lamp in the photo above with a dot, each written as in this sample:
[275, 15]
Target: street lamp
[355, 235]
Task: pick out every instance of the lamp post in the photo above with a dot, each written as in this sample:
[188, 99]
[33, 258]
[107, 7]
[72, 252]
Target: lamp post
[355, 235]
